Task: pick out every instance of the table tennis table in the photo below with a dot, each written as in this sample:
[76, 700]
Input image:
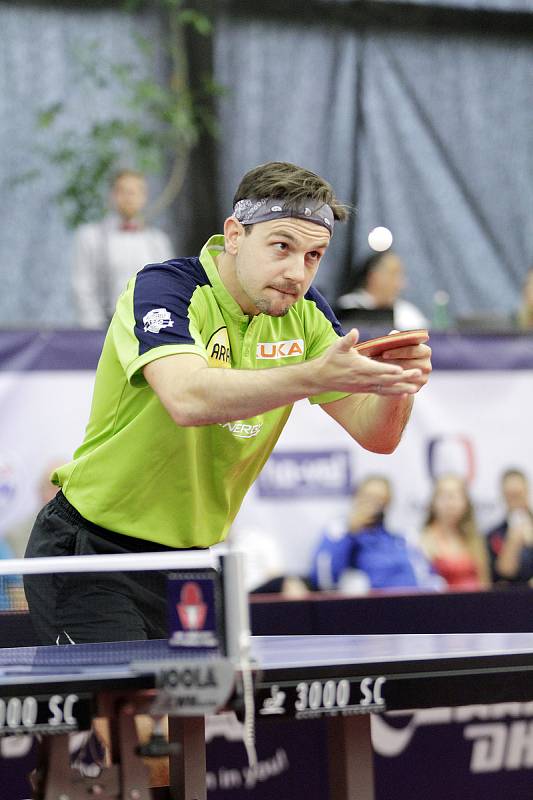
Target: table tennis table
[344, 679]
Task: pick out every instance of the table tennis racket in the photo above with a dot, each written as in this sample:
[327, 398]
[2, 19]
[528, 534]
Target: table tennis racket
[375, 347]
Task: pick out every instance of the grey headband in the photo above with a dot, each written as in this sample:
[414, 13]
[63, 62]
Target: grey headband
[248, 212]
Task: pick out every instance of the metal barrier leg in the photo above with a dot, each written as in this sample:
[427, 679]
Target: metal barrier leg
[187, 767]
[351, 768]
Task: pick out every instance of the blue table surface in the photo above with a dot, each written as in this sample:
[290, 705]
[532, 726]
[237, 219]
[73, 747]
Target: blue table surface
[114, 659]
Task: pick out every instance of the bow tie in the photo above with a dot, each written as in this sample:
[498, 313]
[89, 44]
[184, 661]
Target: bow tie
[130, 225]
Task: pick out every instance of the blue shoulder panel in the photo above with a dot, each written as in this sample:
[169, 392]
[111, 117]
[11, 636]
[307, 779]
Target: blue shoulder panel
[323, 306]
[161, 300]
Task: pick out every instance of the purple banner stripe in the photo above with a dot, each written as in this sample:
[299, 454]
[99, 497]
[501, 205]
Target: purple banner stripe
[482, 351]
[35, 351]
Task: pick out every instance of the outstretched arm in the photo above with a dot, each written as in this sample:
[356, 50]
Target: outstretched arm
[377, 420]
[195, 394]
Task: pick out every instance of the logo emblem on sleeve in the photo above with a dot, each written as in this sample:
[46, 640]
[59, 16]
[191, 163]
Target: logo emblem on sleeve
[156, 319]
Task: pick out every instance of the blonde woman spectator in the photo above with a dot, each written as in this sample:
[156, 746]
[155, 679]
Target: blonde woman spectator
[451, 539]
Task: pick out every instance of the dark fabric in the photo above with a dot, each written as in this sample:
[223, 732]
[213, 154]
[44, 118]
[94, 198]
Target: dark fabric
[495, 540]
[291, 97]
[91, 607]
[314, 295]
[326, 11]
[428, 131]
[475, 5]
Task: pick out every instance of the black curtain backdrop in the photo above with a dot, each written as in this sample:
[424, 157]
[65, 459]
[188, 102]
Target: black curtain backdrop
[421, 116]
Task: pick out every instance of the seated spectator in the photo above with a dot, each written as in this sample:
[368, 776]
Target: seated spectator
[17, 536]
[524, 314]
[510, 543]
[451, 539]
[380, 282]
[11, 591]
[108, 253]
[15, 539]
[360, 553]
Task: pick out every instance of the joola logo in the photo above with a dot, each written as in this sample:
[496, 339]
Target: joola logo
[190, 678]
[288, 349]
[218, 349]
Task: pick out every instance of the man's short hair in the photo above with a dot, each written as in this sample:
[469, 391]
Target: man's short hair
[513, 472]
[125, 173]
[374, 477]
[292, 184]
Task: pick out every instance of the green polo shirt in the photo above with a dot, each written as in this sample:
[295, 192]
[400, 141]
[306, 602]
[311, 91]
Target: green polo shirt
[137, 472]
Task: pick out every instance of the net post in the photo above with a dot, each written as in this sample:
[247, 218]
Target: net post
[238, 640]
[236, 611]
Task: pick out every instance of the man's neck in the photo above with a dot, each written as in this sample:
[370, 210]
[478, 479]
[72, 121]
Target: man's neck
[225, 264]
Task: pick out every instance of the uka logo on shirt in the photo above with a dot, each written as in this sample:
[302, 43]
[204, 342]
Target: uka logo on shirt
[287, 349]
[219, 350]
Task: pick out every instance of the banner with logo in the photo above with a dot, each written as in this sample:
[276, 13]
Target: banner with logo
[466, 752]
[474, 752]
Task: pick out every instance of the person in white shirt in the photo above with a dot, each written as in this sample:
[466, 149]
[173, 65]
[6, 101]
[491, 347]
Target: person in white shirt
[108, 253]
[380, 282]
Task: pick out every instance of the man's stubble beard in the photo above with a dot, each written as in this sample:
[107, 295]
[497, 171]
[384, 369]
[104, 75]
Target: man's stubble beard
[265, 307]
[263, 304]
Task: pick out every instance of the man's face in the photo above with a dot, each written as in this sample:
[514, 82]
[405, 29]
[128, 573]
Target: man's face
[386, 282]
[515, 492]
[129, 196]
[274, 264]
[373, 495]
[450, 502]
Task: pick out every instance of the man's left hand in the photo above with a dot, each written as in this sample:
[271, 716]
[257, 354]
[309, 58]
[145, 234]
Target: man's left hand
[416, 356]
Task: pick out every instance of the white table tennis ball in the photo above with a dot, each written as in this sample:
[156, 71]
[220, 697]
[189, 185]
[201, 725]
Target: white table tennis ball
[380, 239]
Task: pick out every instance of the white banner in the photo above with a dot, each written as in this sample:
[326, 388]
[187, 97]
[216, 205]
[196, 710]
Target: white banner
[42, 421]
[473, 423]
[476, 423]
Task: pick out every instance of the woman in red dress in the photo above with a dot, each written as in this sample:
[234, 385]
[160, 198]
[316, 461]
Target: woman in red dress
[451, 539]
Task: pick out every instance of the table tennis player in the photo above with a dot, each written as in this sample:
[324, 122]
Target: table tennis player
[201, 364]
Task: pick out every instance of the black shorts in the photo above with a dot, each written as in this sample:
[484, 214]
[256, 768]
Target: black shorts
[91, 607]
